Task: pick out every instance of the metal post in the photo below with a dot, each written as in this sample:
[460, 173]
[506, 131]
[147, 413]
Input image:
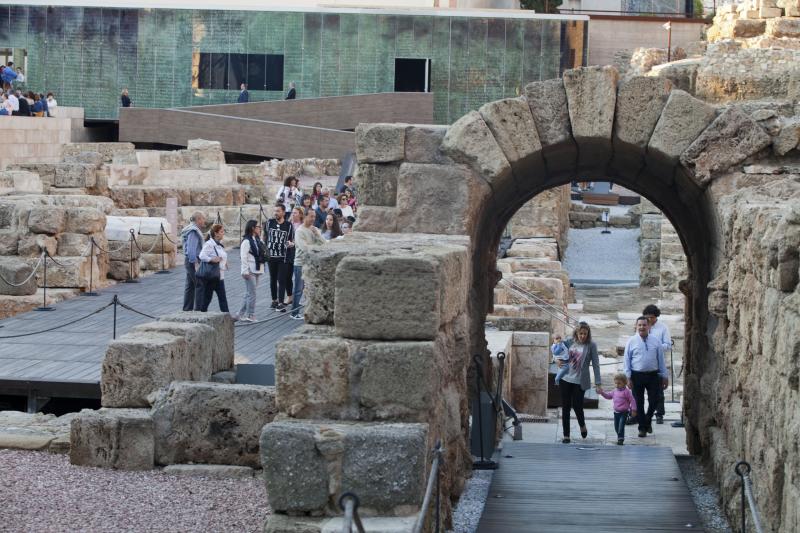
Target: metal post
[669, 43]
[115, 301]
[163, 264]
[437, 511]
[740, 471]
[483, 464]
[240, 230]
[130, 261]
[90, 292]
[44, 306]
[260, 210]
[672, 371]
[606, 217]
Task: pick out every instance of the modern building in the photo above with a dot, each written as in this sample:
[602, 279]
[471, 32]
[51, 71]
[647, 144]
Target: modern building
[177, 56]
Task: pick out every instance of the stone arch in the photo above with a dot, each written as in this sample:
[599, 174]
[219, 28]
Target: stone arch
[471, 177]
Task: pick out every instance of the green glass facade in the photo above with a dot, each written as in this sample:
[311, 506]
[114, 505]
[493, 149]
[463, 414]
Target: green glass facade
[87, 55]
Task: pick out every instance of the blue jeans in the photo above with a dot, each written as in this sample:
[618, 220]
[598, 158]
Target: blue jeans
[562, 372]
[619, 424]
[297, 293]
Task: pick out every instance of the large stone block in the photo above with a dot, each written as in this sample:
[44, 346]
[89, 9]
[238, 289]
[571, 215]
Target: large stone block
[307, 465]
[512, 125]
[377, 184]
[112, 438]
[85, 220]
[684, 118]
[127, 197]
[439, 199]
[470, 141]
[640, 102]
[211, 423]
[216, 196]
[423, 144]
[75, 175]
[72, 244]
[426, 290]
[528, 371]
[201, 339]
[313, 376]
[376, 219]
[380, 143]
[123, 270]
[222, 324]
[68, 272]
[730, 139]
[47, 219]
[399, 379]
[651, 226]
[33, 244]
[591, 99]
[137, 365]
[9, 241]
[548, 103]
[15, 277]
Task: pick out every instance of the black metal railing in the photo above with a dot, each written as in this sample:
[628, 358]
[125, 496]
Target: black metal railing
[743, 470]
[432, 490]
[348, 503]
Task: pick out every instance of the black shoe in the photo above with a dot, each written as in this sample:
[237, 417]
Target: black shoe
[659, 419]
[565, 440]
[649, 428]
[274, 304]
[620, 441]
[642, 434]
[281, 308]
[630, 421]
[584, 432]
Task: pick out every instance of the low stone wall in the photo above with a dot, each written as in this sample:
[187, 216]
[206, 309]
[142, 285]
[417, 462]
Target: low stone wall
[584, 216]
[650, 250]
[528, 363]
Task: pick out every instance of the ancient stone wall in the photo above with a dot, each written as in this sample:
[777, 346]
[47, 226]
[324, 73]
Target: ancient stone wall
[547, 215]
[745, 388]
[672, 259]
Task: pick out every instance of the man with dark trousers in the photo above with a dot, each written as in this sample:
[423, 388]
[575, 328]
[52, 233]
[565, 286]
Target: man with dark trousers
[646, 370]
[660, 331]
[279, 237]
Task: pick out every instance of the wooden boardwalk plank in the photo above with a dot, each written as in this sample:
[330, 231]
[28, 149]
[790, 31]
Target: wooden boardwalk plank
[74, 353]
[568, 488]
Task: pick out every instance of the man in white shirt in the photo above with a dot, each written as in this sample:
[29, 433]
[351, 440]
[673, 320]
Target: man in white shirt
[660, 331]
[645, 367]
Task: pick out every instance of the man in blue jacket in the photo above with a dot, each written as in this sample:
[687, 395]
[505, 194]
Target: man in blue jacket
[192, 239]
[244, 96]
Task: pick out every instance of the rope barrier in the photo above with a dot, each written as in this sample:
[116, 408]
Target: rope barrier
[109, 252]
[153, 247]
[54, 260]
[59, 326]
[164, 232]
[272, 319]
[129, 308]
[38, 264]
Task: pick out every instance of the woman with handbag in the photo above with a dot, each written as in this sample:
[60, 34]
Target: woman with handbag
[253, 254]
[213, 263]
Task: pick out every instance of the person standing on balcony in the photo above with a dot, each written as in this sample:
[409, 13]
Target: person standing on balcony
[244, 96]
[292, 94]
[125, 100]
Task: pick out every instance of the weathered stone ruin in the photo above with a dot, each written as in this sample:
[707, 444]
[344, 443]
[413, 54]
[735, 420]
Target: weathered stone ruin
[161, 407]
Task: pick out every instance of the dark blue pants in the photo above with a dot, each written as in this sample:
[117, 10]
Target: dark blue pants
[193, 292]
[212, 286]
[619, 424]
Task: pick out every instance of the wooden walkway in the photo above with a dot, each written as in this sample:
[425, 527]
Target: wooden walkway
[67, 361]
[594, 489]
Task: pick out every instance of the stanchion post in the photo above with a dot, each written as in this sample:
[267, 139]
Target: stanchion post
[163, 263]
[130, 261]
[483, 464]
[115, 301]
[44, 306]
[90, 292]
[260, 210]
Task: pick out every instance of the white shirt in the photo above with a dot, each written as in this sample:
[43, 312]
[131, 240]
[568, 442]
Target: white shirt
[20, 77]
[211, 250]
[644, 355]
[52, 104]
[248, 260]
[347, 211]
[660, 331]
[14, 102]
[332, 203]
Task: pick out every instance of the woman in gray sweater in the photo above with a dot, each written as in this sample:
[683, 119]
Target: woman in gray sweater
[575, 383]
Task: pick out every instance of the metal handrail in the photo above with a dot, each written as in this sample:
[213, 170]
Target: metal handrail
[532, 300]
[348, 502]
[433, 479]
[743, 470]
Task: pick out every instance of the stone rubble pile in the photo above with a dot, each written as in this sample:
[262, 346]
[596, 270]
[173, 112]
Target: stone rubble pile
[160, 406]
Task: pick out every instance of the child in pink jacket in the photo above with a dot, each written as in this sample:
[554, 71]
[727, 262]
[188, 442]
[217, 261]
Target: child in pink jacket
[623, 402]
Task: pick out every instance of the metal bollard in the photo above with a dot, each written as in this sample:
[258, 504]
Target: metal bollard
[90, 292]
[44, 306]
[163, 263]
[130, 261]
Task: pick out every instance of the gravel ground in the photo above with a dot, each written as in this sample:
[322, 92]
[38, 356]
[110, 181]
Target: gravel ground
[470, 506]
[42, 492]
[594, 256]
[705, 494]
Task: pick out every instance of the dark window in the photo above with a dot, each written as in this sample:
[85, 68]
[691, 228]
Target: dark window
[237, 70]
[412, 75]
[274, 72]
[261, 72]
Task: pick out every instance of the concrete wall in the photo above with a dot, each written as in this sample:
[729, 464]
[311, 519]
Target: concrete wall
[608, 35]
